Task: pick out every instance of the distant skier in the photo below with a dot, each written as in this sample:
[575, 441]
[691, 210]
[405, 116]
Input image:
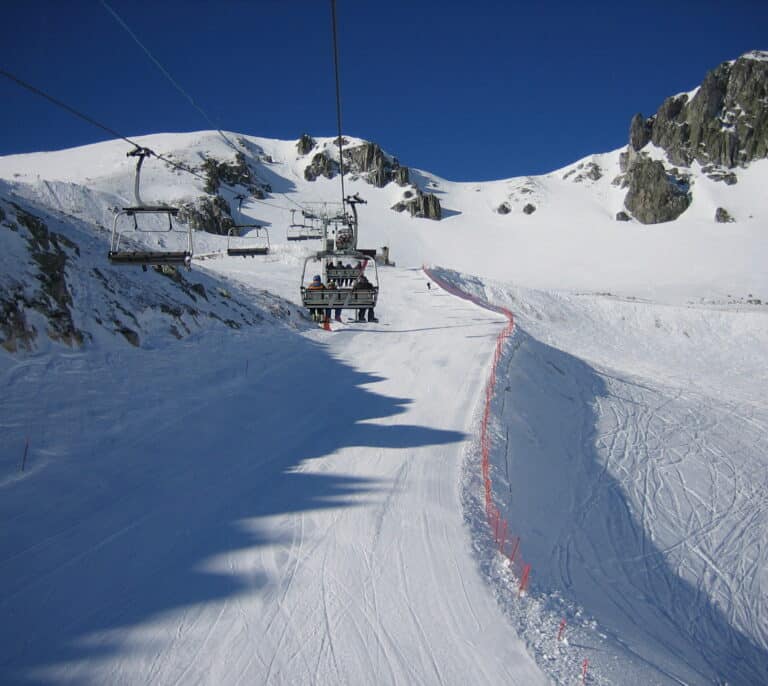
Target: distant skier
[429, 286]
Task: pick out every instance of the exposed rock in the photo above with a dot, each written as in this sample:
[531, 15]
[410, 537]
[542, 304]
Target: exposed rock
[529, 208]
[729, 178]
[321, 165]
[371, 160]
[52, 299]
[640, 130]
[367, 160]
[623, 217]
[15, 332]
[623, 165]
[504, 208]
[425, 205]
[722, 216]
[305, 144]
[655, 196]
[130, 335]
[725, 123]
[210, 214]
[401, 176]
[233, 174]
[590, 171]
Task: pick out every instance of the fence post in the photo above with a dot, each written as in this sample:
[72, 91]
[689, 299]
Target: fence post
[24, 459]
[561, 630]
[514, 550]
[524, 579]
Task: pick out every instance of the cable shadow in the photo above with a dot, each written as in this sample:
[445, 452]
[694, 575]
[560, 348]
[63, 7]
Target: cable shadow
[166, 473]
[584, 537]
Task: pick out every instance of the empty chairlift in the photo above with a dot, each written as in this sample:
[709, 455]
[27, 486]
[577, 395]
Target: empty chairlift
[127, 244]
[307, 227]
[248, 240]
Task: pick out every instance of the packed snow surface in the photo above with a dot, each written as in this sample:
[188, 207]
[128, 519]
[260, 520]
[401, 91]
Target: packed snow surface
[280, 504]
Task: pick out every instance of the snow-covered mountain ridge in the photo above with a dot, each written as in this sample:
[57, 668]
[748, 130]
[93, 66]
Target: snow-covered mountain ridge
[555, 230]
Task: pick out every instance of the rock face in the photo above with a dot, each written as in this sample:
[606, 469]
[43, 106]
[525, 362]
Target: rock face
[305, 144]
[370, 159]
[725, 123]
[48, 293]
[232, 173]
[210, 214]
[654, 196]
[424, 205]
[321, 165]
[582, 172]
[722, 216]
[721, 125]
[377, 168]
[529, 208]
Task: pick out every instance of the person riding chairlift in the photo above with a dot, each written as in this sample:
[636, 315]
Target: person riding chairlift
[317, 312]
[332, 286]
[362, 284]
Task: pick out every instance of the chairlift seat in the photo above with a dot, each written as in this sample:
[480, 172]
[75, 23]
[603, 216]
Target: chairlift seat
[343, 298]
[342, 273]
[148, 257]
[247, 252]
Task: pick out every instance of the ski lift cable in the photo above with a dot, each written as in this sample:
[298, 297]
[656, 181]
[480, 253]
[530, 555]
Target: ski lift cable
[114, 133]
[66, 107]
[178, 87]
[164, 71]
[338, 97]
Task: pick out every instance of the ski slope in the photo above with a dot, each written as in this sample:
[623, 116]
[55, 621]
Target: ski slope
[295, 523]
[268, 502]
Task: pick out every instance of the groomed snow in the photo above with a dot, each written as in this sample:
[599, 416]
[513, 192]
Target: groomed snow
[279, 504]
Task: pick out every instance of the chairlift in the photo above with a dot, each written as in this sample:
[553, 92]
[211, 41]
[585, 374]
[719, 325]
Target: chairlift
[349, 296]
[155, 219]
[307, 228]
[256, 242]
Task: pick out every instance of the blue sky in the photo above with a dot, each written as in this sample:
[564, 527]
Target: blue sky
[471, 91]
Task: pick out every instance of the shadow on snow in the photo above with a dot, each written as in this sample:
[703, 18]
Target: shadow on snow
[578, 531]
[173, 458]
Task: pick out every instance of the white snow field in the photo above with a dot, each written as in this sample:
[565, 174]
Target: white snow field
[279, 504]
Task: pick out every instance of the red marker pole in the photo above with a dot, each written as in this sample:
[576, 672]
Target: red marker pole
[514, 550]
[561, 630]
[584, 666]
[524, 579]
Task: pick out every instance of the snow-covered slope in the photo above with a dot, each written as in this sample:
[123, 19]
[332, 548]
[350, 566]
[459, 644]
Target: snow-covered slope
[214, 491]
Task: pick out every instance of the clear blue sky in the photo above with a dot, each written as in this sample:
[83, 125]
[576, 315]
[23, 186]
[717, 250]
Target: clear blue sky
[472, 90]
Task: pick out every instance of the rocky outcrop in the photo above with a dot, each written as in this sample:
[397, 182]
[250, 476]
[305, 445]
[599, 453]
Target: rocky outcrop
[722, 216]
[623, 217]
[305, 144]
[640, 132]
[654, 195]
[50, 296]
[367, 160]
[233, 174]
[582, 172]
[529, 208]
[209, 214]
[724, 123]
[504, 208]
[321, 165]
[419, 204]
[721, 125]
